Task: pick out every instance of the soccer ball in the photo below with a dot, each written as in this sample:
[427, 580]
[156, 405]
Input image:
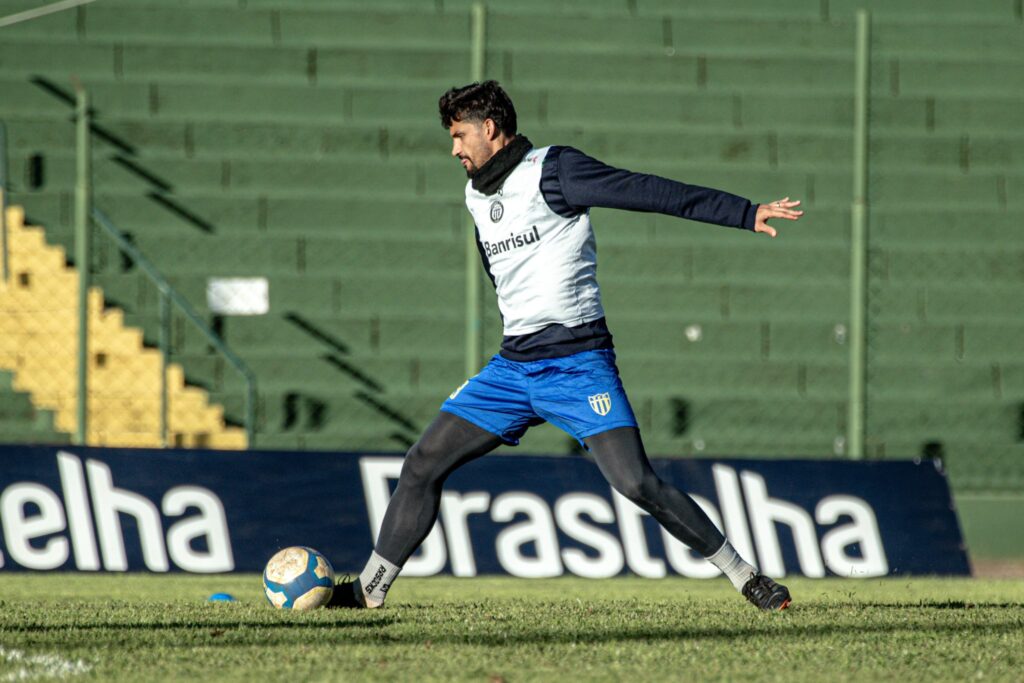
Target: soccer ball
[298, 578]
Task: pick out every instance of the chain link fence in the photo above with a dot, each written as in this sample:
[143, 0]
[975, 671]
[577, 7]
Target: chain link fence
[349, 227]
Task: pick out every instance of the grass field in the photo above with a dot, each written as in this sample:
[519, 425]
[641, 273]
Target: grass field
[157, 628]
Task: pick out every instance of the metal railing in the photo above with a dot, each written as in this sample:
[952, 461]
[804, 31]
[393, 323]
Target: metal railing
[83, 250]
[170, 297]
[4, 263]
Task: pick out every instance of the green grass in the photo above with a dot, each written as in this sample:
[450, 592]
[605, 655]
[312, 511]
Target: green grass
[157, 628]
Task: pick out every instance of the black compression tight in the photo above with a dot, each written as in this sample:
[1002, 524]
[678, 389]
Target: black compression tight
[450, 442]
[447, 444]
[621, 457]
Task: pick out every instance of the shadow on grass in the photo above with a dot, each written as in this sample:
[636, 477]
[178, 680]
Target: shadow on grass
[349, 631]
[219, 625]
[933, 605]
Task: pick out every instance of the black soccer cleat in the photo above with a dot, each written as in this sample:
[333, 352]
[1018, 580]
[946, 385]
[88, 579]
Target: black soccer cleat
[346, 595]
[766, 594]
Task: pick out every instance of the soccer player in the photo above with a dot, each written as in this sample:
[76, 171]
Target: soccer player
[532, 207]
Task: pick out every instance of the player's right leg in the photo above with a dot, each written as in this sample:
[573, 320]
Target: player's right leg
[447, 444]
[491, 408]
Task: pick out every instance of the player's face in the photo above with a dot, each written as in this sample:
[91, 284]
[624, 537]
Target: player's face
[470, 143]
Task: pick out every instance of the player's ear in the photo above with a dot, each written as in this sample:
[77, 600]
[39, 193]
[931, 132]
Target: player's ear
[490, 129]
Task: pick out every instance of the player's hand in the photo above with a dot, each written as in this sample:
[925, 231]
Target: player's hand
[781, 208]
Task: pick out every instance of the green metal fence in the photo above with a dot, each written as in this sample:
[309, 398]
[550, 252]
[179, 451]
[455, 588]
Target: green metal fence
[313, 157]
[85, 216]
[170, 299]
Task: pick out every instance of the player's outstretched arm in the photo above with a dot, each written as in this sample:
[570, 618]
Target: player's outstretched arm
[781, 208]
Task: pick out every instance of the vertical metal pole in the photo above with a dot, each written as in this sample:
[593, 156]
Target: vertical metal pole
[5, 270]
[474, 303]
[82, 260]
[856, 419]
[165, 350]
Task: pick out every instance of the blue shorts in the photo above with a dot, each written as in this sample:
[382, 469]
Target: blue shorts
[580, 394]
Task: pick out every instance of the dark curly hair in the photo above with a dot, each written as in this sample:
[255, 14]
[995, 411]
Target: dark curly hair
[476, 102]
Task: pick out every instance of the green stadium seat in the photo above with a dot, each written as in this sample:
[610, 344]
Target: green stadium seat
[168, 24]
[740, 341]
[976, 420]
[727, 300]
[144, 60]
[940, 11]
[362, 290]
[21, 421]
[721, 421]
[1015, 192]
[300, 142]
[989, 77]
[651, 66]
[729, 36]
[996, 112]
[993, 340]
[980, 264]
[637, 106]
[706, 379]
[971, 39]
[333, 25]
[894, 225]
[910, 381]
[510, 30]
[790, 9]
[997, 152]
[557, 8]
[923, 187]
[28, 54]
[816, 72]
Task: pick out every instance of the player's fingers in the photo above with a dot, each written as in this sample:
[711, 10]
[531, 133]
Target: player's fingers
[788, 214]
[766, 229]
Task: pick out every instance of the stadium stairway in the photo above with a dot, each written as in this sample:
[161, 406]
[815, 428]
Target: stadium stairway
[38, 343]
[298, 141]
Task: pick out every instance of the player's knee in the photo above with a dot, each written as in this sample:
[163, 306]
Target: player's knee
[418, 468]
[639, 489]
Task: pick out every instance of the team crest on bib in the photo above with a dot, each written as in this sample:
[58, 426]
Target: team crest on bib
[497, 211]
[601, 403]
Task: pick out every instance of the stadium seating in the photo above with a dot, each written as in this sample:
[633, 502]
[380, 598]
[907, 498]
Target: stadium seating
[299, 141]
[20, 420]
[38, 308]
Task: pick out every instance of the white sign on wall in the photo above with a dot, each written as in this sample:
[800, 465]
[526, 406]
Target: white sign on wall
[238, 295]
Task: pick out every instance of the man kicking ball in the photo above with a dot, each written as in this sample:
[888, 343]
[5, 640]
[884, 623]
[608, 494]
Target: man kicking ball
[532, 207]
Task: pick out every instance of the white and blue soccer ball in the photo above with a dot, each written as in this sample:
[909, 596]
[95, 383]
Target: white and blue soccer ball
[298, 578]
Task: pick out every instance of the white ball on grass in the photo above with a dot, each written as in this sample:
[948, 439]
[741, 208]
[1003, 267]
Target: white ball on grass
[298, 578]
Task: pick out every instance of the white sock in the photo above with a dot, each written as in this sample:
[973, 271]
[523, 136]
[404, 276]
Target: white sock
[732, 565]
[376, 579]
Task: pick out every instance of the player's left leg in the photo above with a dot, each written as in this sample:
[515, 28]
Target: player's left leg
[620, 455]
[491, 408]
[447, 444]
